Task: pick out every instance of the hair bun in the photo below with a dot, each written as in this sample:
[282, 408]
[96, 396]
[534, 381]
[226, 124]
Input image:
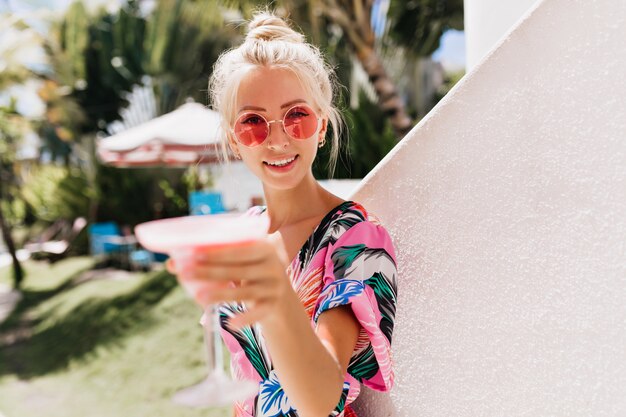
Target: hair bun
[268, 27]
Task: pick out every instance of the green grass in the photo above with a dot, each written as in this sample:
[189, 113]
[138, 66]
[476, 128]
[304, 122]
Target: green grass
[101, 347]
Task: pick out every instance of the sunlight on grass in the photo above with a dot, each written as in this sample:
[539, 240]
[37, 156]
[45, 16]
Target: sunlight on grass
[102, 347]
[41, 275]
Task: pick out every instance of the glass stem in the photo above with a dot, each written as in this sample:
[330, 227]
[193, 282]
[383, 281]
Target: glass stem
[213, 340]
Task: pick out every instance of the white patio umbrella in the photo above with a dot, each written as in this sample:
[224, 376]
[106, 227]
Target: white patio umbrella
[186, 136]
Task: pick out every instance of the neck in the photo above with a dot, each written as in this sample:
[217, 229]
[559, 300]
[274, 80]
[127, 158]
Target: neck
[307, 200]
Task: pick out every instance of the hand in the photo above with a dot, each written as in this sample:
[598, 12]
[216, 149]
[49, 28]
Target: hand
[253, 273]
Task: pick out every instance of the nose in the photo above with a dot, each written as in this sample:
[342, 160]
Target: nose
[277, 138]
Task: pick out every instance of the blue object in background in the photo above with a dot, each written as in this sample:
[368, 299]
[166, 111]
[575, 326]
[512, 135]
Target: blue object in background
[205, 202]
[159, 257]
[141, 259]
[98, 234]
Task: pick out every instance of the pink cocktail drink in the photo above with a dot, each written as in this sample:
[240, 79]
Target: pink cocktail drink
[181, 238]
[182, 235]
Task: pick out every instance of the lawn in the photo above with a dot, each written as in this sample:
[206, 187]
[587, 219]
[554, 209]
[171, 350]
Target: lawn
[96, 345]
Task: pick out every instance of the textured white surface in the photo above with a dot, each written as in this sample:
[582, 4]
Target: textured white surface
[507, 205]
[486, 22]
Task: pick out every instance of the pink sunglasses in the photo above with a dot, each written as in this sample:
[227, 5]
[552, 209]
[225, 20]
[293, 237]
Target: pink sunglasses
[300, 122]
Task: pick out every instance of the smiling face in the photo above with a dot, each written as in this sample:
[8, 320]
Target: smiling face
[271, 93]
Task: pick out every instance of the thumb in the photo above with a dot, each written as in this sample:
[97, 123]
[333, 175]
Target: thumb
[169, 265]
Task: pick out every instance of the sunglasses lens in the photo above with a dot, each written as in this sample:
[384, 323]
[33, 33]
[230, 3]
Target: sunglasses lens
[301, 122]
[251, 129]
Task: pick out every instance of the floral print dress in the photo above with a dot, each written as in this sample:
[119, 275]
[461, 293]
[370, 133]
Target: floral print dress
[348, 259]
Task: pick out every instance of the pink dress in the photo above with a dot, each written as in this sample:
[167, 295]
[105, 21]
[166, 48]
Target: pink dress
[348, 259]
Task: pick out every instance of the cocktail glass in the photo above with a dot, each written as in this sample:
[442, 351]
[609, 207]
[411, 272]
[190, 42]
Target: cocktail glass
[180, 238]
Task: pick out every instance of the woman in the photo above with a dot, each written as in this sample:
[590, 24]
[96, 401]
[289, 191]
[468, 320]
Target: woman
[309, 311]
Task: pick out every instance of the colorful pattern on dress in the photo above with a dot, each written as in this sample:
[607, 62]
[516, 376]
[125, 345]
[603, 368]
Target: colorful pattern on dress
[349, 259]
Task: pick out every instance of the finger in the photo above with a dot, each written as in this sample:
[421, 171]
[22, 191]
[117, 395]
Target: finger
[206, 286]
[169, 266]
[249, 293]
[199, 291]
[243, 253]
[254, 315]
[221, 272]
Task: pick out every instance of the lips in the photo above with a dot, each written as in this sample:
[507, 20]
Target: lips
[288, 167]
[284, 158]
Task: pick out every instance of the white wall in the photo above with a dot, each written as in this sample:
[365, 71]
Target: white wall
[486, 22]
[237, 185]
[343, 188]
[507, 204]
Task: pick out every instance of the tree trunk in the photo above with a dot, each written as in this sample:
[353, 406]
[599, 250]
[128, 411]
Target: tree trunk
[355, 23]
[93, 172]
[18, 272]
[388, 98]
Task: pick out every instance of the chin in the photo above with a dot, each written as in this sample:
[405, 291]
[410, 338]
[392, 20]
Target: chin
[289, 184]
[283, 183]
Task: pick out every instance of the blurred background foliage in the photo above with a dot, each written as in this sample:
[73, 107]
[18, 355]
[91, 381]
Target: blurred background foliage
[93, 59]
[54, 192]
[367, 138]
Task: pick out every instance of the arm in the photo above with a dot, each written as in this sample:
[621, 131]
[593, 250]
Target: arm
[310, 364]
[321, 356]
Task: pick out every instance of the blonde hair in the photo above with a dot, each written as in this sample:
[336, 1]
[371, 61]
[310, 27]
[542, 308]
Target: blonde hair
[271, 42]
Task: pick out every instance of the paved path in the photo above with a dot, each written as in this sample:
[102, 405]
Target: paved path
[8, 300]
[5, 258]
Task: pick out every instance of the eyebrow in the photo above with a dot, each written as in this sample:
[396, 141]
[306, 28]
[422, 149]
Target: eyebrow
[288, 104]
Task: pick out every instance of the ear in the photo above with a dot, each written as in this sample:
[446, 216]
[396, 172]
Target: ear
[324, 128]
[234, 146]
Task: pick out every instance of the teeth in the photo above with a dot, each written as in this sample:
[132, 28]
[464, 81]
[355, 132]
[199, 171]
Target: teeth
[282, 163]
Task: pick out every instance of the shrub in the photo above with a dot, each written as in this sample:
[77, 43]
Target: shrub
[53, 192]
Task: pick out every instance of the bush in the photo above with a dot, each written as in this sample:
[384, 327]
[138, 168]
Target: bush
[369, 138]
[52, 193]
[131, 196]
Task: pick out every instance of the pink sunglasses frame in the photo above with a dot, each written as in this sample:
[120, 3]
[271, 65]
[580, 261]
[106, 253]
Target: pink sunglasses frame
[281, 121]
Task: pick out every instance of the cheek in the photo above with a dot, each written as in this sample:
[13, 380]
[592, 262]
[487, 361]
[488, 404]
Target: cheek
[255, 165]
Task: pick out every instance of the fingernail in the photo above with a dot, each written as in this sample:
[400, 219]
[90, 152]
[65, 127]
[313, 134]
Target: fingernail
[234, 324]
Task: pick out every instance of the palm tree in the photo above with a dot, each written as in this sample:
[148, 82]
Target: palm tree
[418, 25]
[12, 124]
[354, 18]
[413, 26]
[18, 272]
[106, 55]
[182, 41]
[61, 112]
